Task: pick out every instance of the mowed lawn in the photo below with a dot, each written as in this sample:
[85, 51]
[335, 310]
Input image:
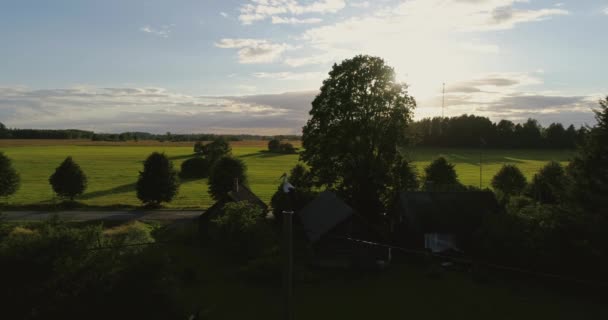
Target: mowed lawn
[112, 170]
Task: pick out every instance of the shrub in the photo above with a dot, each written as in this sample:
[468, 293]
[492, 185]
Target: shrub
[287, 148]
[274, 145]
[242, 230]
[195, 168]
[69, 180]
[9, 178]
[217, 149]
[509, 180]
[223, 175]
[548, 184]
[158, 182]
[199, 147]
[440, 175]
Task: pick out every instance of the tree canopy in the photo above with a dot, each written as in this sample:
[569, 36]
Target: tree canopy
[589, 169]
[223, 175]
[158, 181]
[9, 178]
[509, 180]
[357, 122]
[440, 175]
[68, 180]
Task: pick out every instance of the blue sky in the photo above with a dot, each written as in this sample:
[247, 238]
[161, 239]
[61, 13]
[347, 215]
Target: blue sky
[253, 66]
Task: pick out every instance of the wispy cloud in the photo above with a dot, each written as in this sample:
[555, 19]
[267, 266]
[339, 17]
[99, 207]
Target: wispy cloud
[224, 14]
[254, 50]
[281, 20]
[290, 75]
[163, 31]
[152, 109]
[257, 10]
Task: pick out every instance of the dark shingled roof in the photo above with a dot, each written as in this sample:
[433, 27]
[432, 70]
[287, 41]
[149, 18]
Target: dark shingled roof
[323, 214]
[245, 194]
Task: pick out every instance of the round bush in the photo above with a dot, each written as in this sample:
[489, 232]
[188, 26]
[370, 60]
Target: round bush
[195, 168]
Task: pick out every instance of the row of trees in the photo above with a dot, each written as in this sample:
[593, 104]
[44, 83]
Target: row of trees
[157, 183]
[475, 131]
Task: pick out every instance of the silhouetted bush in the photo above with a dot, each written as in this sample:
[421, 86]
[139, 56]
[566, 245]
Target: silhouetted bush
[195, 168]
[548, 184]
[9, 178]
[509, 180]
[158, 182]
[223, 175]
[217, 149]
[441, 176]
[68, 180]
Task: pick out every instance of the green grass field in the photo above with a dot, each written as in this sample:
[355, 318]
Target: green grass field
[112, 170]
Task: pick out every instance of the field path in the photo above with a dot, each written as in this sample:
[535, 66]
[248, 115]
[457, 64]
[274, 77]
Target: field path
[158, 215]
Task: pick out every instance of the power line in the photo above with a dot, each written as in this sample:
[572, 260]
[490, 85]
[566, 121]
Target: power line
[481, 263]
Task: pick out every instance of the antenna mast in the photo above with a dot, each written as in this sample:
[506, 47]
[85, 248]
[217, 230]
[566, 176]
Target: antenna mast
[443, 100]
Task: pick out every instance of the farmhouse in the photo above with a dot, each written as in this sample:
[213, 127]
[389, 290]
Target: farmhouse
[332, 229]
[239, 193]
[440, 221]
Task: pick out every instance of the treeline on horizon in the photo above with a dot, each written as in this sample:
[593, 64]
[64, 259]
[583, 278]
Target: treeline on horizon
[461, 131]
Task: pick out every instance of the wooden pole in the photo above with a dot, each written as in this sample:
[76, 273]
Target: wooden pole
[288, 263]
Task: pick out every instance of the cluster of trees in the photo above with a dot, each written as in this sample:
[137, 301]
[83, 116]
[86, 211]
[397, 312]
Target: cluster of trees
[68, 180]
[351, 145]
[475, 131]
[6, 133]
[276, 146]
[15, 133]
[158, 182]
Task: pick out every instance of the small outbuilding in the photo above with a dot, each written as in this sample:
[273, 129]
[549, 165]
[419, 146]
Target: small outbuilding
[440, 221]
[239, 193]
[338, 236]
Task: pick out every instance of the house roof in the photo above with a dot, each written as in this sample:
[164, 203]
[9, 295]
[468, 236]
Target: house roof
[323, 214]
[242, 193]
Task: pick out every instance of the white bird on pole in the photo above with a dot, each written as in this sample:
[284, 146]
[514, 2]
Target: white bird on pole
[286, 186]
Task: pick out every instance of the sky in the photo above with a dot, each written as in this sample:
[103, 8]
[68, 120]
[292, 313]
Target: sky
[254, 66]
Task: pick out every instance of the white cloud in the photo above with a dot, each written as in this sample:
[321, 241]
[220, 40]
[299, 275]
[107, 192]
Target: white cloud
[290, 75]
[478, 47]
[606, 11]
[254, 50]
[224, 14]
[163, 31]
[257, 10]
[507, 96]
[152, 109]
[281, 20]
[362, 4]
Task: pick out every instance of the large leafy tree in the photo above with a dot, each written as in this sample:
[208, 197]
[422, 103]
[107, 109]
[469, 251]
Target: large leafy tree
[9, 178]
[357, 122]
[223, 175]
[158, 182]
[68, 180]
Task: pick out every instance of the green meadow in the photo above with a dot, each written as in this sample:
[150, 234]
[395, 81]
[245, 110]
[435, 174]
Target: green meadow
[112, 170]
